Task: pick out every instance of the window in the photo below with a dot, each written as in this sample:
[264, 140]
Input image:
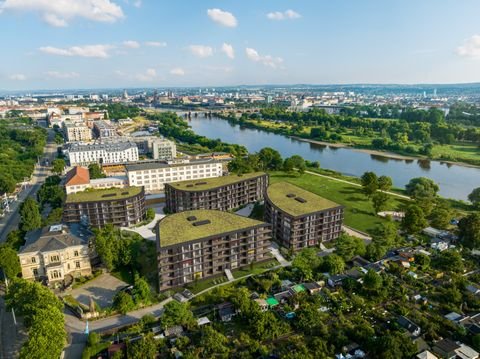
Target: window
[34, 260]
[55, 258]
[56, 274]
[75, 253]
[35, 272]
[77, 264]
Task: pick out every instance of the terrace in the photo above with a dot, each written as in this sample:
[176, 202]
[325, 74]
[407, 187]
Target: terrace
[211, 183]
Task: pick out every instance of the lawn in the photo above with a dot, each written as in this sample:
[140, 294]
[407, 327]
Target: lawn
[256, 268]
[197, 287]
[457, 152]
[359, 213]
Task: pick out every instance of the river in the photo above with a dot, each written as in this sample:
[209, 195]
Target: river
[455, 181]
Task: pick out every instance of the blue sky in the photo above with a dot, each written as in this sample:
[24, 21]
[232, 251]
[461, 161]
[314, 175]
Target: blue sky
[156, 43]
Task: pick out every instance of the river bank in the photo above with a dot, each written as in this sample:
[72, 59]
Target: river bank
[386, 154]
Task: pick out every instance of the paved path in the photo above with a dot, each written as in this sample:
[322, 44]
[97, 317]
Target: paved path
[245, 211]
[356, 233]
[148, 231]
[229, 275]
[355, 184]
[40, 173]
[274, 249]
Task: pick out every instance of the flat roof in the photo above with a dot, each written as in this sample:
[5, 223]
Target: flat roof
[209, 183]
[152, 165]
[191, 225]
[108, 194]
[296, 201]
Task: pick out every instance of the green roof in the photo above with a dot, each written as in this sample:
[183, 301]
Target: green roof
[295, 200]
[209, 183]
[272, 302]
[298, 288]
[108, 194]
[179, 227]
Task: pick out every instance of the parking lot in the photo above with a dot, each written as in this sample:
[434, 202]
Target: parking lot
[102, 289]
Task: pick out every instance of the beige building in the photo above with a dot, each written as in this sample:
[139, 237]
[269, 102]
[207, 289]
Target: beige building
[76, 131]
[54, 253]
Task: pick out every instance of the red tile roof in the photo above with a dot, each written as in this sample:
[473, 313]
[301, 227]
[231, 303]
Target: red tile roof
[77, 175]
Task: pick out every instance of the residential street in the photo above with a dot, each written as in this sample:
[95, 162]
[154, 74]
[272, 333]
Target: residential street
[41, 172]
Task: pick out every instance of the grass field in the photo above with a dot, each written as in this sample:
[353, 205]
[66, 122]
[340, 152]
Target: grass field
[359, 213]
[457, 152]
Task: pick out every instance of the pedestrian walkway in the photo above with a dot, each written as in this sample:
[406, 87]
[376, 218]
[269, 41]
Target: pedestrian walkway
[12, 336]
[278, 256]
[229, 275]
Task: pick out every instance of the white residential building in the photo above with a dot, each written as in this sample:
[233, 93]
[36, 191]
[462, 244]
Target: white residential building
[153, 175]
[103, 153]
[159, 147]
[76, 131]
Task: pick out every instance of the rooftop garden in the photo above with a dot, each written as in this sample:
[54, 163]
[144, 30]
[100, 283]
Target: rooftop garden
[210, 183]
[109, 194]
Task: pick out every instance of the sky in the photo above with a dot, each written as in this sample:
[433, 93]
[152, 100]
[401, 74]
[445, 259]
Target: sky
[55, 44]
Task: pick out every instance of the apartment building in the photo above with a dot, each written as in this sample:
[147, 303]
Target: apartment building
[104, 153]
[122, 207]
[158, 147]
[300, 218]
[76, 131]
[53, 253]
[204, 243]
[153, 175]
[103, 129]
[78, 180]
[223, 193]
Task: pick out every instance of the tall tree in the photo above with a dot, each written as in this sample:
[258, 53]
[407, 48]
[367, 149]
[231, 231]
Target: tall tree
[414, 220]
[176, 313]
[385, 183]
[369, 183]
[9, 261]
[30, 218]
[145, 347]
[270, 159]
[58, 165]
[474, 197]
[379, 201]
[95, 171]
[470, 230]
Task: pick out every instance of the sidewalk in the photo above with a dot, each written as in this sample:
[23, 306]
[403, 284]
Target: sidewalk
[11, 337]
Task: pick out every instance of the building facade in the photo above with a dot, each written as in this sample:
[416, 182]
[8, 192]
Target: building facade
[199, 244]
[158, 147]
[76, 132]
[153, 175]
[104, 153]
[51, 253]
[300, 218]
[223, 193]
[120, 207]
[104, 129]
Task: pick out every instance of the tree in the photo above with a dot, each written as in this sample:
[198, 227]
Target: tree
[372, 281]
[306, 261]
[141, 290]
[469, 230]
[440, 217]
[9, 261]
[7, 183]
[270, 159]
[58, 165]
[95, 171]
[30, 218]
[422, 260]
[294, 162]
[123, 302]
[414, 220]
[145, 347]
[176, 313]
[384, 183]
[474, 197]
[213, 343]
[54, 217]
[379, 201]
[393, 346]
[347, 247]
[421, 187]
[449, 260]
[333, 264]
[369, 183]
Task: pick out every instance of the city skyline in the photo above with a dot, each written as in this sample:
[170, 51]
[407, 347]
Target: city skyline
[112, 44]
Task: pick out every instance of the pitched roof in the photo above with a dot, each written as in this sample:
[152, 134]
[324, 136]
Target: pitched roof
[54, 238]
[77, 175]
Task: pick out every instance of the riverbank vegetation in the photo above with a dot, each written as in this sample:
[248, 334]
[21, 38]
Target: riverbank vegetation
[415, 133]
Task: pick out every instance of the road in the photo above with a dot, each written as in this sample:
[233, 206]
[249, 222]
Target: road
[40, 173]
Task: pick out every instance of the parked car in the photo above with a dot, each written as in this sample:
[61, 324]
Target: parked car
[179, 297]
[187, 294]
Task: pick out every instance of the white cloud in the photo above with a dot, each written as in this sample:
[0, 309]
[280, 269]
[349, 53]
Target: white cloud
[62, 75]
[201, 51]
[156, 43]
[18, 77]
[99, 51]
[223, 18]
[131, 44]
[285, 15]
[137, 3]
[266, 60]
[228, 50]
[470, 47]
[59, 12]
[178, 71]
[147, 76]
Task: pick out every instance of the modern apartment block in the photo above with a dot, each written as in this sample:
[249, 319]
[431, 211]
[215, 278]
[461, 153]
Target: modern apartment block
[54, 252]
[223, 193]
[158, 147]
[123, 207]
[76, 131]
[104, 153]
[153, 175]
[204, 243]
[300, 218]
[104, 129]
